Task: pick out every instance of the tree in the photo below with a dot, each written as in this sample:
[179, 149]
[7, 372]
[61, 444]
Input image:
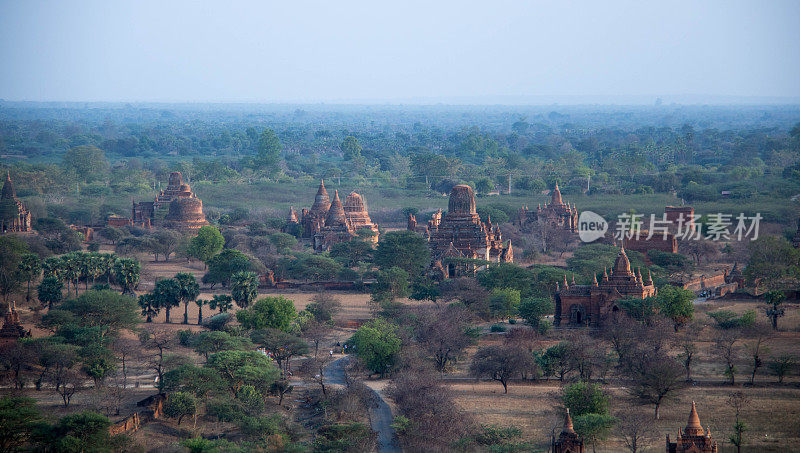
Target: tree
[403, 249]
[269, 151]
[282, 242]
[556, 361]
[206, 244]
[442, 334]
[268, 312]
[676, 304]
[189, 290]
[637, 430]
[76, 433]
[656, 378]
[584, 398]
[200, 303]
[688, 350]
[594, 427]
[534, 309]
[11, 251]
[773, 262]
[88, 163]
[725, 345]
[179, 405]
[29, 268]
[126, 273]
[112, 234]
[206, 343]
[500, 363]
[241, 368]
[244, 288]
[351, 149]
[281, 345]
[18, 419]
[165, 242]
[391, 284]
[757, 347]
[377, 345]
[782, 366]
[503, 302]
[106, 311]
[773, 310]
[738, 400]
[167, 294]
[222, 302]
[149, 306]
[323, 307]
[50, 291]
[159, 342]
[350, 253]
[223, 265]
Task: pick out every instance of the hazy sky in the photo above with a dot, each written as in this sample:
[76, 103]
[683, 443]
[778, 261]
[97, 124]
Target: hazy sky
[303, 51]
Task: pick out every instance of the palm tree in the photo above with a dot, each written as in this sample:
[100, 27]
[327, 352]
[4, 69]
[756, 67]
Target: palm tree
[126, 273]
[70, 270]
[222, 301]
[200, 303]
[149, 306]
[29, 267]
[189, 291]
[244, 288]
[167, 294]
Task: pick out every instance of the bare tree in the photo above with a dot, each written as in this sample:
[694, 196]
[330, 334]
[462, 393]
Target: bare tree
[725, 345]
[500, 363]
[636, 429]
[686, 343]
[738, 400]
[757, 347]
[316, 332]
[782, 366]
[656, 378]
[156, 345]
[315, 370]
[441, 333]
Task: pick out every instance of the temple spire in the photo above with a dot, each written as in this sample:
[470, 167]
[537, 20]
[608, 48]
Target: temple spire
[693, 426]
[568, 428]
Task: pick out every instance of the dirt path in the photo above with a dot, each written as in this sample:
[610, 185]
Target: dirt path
[380, 414]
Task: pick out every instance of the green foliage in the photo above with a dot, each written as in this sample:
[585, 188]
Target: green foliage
[343, 437]
[224, 265]
[206, 244]
[351, 149]
[268, 312]
[351, 253]
[403, 249]
[76, 433]
[728, 320]
[50, 291]
[166, 295]
[179, 405]
[19, 417]
[497, 328]
[676, 304]
[87, 163]
[504, 302]
[390, 284]
[593, 427]
[507, 275]
[773, 262]
[269, 152]
[308, 267]
[534, 309]
[11, 251]
[585, 398]
[206, 343]
[244, 288]
[377, 345]
[240, 368]
[106, 311]
[126, 273]
[283, 242]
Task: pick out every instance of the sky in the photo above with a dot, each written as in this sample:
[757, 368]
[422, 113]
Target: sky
[399, 51]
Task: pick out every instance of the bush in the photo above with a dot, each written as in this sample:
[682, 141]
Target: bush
[728, 320]
[184, 337]
[497, 328]
[218, 321]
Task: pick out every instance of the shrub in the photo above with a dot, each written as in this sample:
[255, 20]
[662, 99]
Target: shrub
[497, 328]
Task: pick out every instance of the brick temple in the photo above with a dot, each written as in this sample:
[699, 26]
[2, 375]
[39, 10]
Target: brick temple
[568, 440]
[175, 206]
[692, 439]
[588, 305]
[556, 214]
[332, 222]
[14, 218]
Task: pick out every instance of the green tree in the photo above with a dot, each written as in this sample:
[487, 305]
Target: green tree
[283, 242]
[269, 152]
[200, 303]
[126, 273]
[534, 309]
[585, 398]
[11, 251]
[773, 262]
[29, 268]
[167, 294]
[50, 291]
[773, 310]
[391, 284]
[149, 306]
[179, 405]
[594, 427]
[351, 149]
[281, 345]
[206, 343]
[223, 265]
[106, 311]
[222, 302]
[240, 368]
[676, 304]
[206, 244]
[244, 288]
[19, 417]
[377, 345]
[350, 253]
[189, 290]
[87, 163]
[403, 249]
[268, 312]
[503, 302]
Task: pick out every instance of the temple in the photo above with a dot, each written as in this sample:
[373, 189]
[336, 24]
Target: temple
[692, 439]
[588, 305]
[14, 218]
[460, 233]
[555, 214]
[568, 441]
[175, 206]
[332, 222]
[12, 328]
